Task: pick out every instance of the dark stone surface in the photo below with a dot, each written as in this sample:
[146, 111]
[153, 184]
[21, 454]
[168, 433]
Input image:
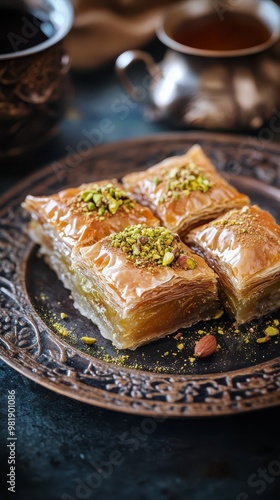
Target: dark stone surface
[62, 444]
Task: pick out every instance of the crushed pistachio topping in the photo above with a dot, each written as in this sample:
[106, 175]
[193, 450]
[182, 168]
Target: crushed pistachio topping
[263, 340]
[150, 247]
[88, 340]
[246, 224]
[218, 314]
[106, 199]
[182, 180]
[239, 219]
[271, 331]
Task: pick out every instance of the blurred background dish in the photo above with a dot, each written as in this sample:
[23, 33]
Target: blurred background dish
[105, 28]
[221, 69]
[34, 67]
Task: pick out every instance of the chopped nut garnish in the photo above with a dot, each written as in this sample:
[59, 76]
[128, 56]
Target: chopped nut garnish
[262, 340]
[245, 225]
[150, 247]
[271, 331]
[105, 199]
[156, 180]
[88, 340]
[183, 179]
[61, 329]
[191, 263]
[219, 314]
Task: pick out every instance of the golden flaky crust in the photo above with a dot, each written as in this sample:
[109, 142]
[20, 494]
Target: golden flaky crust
[62, 213]
[133, 306]
[136, 301]
[243, 247]
[130, 305]
[179, 212]
[127, 284]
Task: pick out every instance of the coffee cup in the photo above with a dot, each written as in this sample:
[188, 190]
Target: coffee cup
[34, 71]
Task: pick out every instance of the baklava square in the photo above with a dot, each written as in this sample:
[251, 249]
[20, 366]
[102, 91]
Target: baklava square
[78, 217]
[142, 284]
[184, 191]
[243, 247]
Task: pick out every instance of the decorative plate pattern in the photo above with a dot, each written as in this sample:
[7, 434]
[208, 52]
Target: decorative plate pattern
[30, 344]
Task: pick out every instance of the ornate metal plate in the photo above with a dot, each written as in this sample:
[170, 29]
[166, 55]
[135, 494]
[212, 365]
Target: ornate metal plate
[158, 379]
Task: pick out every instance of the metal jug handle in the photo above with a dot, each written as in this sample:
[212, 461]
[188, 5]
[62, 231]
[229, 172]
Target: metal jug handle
[129, 57]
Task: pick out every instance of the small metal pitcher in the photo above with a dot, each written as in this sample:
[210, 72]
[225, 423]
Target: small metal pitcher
[200, 88]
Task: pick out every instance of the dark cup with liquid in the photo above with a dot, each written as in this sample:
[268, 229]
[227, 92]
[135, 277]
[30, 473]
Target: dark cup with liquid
[34, 67]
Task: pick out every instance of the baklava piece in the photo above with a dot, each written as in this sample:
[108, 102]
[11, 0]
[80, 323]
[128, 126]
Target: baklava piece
[243, 247]
[184, 191]
[80, 216]
[141, 284]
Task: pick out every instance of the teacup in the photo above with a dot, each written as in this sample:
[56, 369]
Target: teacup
[208, 78]
[34, 66]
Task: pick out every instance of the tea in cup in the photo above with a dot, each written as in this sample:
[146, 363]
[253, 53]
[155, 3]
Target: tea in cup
[221, 69]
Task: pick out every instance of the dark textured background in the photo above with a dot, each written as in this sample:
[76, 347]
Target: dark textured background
[62, 443]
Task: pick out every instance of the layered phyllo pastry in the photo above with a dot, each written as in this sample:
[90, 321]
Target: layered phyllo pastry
[243, 247]
[184, 191]
[141, 284]
[82, 215]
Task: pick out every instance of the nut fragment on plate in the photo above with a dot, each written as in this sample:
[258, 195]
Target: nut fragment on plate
[205, 347]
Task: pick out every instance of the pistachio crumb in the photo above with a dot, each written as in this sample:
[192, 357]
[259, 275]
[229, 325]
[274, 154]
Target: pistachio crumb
[104, 199]
[271, 331]
[183, 179]
[88, 340]
[262, 340]
[60, 329]
[151, 247]
[218, 314]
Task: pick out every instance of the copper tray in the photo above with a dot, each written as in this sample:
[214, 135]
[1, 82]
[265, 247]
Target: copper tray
[158, 379]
